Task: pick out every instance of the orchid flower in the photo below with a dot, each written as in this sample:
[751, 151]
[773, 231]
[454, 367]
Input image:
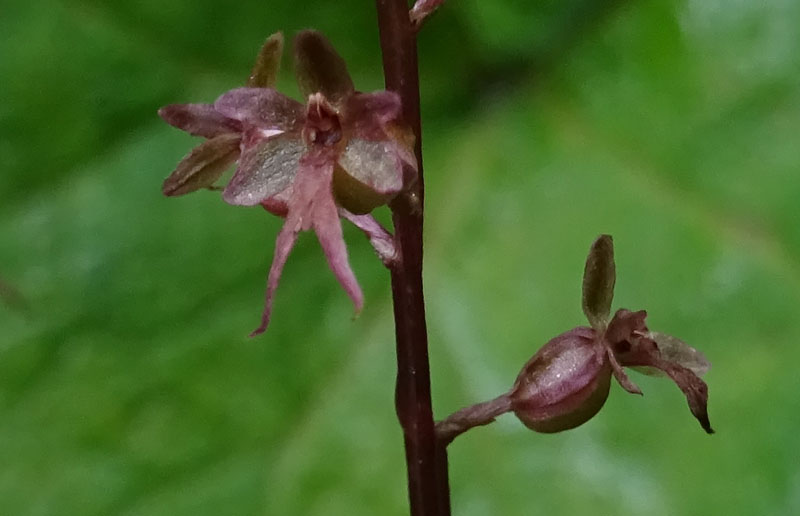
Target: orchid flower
[567, 380]
[342, 153]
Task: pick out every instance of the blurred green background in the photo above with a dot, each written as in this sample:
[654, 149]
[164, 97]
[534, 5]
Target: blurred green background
[128, 386]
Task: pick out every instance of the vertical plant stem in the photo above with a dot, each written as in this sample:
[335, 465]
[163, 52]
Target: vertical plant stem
[425, 460]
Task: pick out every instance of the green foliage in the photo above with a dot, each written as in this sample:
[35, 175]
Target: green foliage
[129, 386]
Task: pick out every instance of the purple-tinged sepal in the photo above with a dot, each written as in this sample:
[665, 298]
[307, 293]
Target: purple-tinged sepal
[203, 166]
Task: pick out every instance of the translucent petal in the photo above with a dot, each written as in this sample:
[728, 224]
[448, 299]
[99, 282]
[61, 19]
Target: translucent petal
[599, 277]
[675, 350]
[319, 68]
[373, 163]
[268, 63]
[266, 168]
[262, 107]
[199, 119]
[203, 166]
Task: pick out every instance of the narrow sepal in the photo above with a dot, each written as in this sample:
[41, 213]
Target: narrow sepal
[199, 119]
[382, 241]
[621, 376]
[695, 390]
[319, 68]
[283, 246]
[266, 168]
[203, 166]
[268, 63]
[313, 189]
[329, 233]
[599, 276]
[262, 107]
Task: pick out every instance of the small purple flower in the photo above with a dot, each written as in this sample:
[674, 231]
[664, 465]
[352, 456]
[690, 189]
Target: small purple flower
[567, 381]
[343, 153]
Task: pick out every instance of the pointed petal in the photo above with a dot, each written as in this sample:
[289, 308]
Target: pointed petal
[319, 68]
[203, 166]
[266, 168]
[695, 390]
[268, 62]
[369, 113]
[325, 220]
[382, 241]
[262, 107]
[199, 119]
[329, 233]
[283, 246]
[645, 352]
[621, 376]
[599, 277]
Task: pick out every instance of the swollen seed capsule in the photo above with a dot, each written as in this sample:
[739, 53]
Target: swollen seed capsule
[564, 384]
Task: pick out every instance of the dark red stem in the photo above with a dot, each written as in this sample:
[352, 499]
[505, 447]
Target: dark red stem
[426, 461]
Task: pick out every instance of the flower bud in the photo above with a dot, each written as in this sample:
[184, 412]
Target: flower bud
[564, 384]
